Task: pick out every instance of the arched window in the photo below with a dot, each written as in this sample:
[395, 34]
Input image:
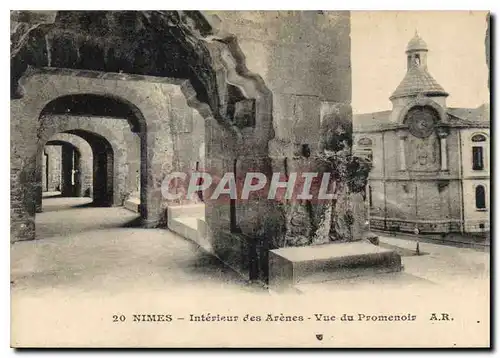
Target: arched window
[365, 142]
[478, 138]
[480, 197]
[478, 151]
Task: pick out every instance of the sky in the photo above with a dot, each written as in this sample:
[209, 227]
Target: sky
[456, 57]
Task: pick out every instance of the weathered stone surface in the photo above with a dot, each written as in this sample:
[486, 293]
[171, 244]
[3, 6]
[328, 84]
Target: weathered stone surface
[115, 131]
[298, 265]
[272, 91]
[156, 148]
[86, 161]
[54, 167]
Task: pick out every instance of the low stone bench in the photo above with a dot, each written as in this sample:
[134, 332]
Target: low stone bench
[297, 265]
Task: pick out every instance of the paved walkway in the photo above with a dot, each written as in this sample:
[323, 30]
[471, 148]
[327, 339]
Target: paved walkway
[438, 268]
[82, 248]
[90, 264]
[87, 249]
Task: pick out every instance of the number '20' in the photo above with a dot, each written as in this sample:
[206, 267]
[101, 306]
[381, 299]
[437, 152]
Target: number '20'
[119, 318]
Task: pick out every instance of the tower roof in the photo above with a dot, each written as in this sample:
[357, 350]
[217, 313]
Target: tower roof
[416, 44]
[418, 81]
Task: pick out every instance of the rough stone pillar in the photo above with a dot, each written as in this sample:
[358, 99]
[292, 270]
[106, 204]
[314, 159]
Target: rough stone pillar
[316, 136]
[22, 172]
[54, 153]
[151, 210]
[134, 167]
[38, 182]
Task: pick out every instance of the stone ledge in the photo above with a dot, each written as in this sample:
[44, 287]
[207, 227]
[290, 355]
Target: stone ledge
[185, 226]
[132, 204]
[297, 265]
[194, 210]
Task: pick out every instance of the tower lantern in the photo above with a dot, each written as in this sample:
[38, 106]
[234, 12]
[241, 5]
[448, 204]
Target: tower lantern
[416, 52]
[417, 81]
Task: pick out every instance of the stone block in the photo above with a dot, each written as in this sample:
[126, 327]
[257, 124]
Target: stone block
[297, 265]
[185, 226]
[194, 210]
[182, 119]
[132, 204]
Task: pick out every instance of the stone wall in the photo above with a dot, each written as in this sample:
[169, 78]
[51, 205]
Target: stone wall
[54, 167]
[304, 60]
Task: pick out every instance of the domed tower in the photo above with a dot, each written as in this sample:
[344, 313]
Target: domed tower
[418, 83]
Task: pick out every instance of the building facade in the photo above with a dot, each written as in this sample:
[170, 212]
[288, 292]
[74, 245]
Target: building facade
[430, 162]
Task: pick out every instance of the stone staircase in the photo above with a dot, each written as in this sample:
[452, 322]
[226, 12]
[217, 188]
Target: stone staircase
[189, 221]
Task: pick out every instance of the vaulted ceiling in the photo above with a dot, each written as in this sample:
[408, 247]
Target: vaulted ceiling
[153, 43]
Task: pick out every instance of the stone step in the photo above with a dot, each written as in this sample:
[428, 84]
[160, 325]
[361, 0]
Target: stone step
[192, 210]
[292, 266]
[132, 204]
[185, 226]
[192, 228]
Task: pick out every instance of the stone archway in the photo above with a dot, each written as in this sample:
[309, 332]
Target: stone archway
[117, 132]
[50, 167]
[124, 144]
[71, 164]
[193, 55]
[103, 167]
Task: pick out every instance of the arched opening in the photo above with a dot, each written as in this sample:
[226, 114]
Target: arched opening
[65, 68]
[94, 106]
[81, 165]
[103, 168]
[98, 113]
[71, 168]
[98, 177]
[84, 166]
